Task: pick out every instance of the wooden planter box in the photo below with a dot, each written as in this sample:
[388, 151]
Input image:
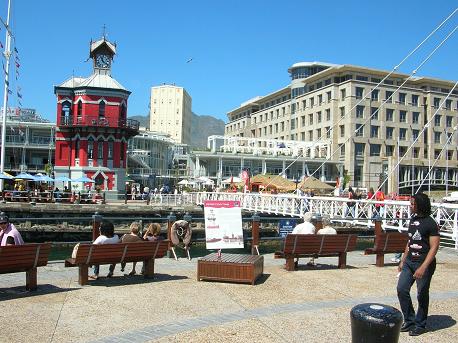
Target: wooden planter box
[230, 267]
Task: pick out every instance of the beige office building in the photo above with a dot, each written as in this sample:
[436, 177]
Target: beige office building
[369, 128]
[171, 112]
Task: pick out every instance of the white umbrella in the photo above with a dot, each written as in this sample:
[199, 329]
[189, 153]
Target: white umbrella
[233, 179]
[183, 182]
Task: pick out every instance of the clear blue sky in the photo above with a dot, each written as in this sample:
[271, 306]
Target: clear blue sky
[240, 49]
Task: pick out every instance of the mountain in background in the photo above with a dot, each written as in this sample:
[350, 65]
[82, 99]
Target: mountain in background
[201, 128]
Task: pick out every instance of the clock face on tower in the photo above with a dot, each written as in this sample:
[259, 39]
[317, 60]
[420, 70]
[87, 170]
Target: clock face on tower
[103, 61]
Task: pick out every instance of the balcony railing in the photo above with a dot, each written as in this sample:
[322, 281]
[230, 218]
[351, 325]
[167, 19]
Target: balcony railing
[97, 121]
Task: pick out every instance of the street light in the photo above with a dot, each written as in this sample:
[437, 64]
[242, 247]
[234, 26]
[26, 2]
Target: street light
[296, 181]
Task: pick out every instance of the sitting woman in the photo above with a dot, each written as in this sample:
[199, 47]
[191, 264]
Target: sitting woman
[131, 238]
[107, 236]
[153, 233]
[9, 235]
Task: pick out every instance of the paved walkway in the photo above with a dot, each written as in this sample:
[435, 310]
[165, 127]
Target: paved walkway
[309, 305]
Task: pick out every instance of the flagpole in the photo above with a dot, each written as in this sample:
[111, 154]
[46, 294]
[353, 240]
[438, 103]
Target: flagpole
[7, 54]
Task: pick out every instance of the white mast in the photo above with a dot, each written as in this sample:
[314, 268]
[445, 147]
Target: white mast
[7, 55]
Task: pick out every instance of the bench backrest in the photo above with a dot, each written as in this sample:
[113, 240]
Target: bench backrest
[120, 252]
[391, 242]
[20, 258]
[319, 244]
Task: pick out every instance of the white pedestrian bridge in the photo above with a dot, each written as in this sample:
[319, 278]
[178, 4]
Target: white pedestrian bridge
[394, 214]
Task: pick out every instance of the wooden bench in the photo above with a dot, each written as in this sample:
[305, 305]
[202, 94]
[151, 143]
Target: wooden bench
[386, 243]
[230, 267]
[96, 254]
[296, 246]
[24, 258]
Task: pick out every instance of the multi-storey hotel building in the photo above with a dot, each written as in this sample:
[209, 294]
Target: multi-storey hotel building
[370, 128]
[171, 112]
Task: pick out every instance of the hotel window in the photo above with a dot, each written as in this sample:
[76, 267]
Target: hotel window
[282, 126]
[415, 134]
[415, 117]
[437, 137]
[402, 98]
[414, 100]
[276, 128]
[304, 104]
[389, 114]
[328, 131]
[375, 149]
[311, 119]
[343, 94]
[359, 92]
[389, 150]
[359, 111]
[402, 150]
[320, 99]
[342, 149]
[359, 149]
[437, 153]
[374, 95]
[359, 132]
[389, 96]
[293, 126]
[437, 120]
[389, 132]
[403, 116]
[374, 131]
[436, 102]
[328, 114]
[318, 133]
[318, 117]
[302, 136]
[277, 113]
[328, 96]
[448, 136]
[448, 104]
[415, 152]
[402, 134]
[449, 155]
[374, 113]
[303, 121]
[283, 111]
[342, 130]
[310, 135]
[448, 121]
[425, 153]
[312, 102]
[342, 111]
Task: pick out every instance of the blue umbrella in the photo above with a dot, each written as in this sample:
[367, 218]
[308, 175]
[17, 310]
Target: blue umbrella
[5, 177]
[63, 178]
[25, 176]
[44, 178]
[84, 179]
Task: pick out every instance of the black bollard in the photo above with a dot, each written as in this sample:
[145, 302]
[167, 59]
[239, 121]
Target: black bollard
[374, 323]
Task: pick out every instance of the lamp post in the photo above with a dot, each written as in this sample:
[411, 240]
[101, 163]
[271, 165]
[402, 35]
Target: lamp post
[296, 181]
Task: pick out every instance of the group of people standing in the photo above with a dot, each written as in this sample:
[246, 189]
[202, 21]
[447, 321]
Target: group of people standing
[353, 195]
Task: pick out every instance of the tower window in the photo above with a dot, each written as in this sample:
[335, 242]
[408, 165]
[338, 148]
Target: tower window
[102, 109]
[66, 109]
[80, 108]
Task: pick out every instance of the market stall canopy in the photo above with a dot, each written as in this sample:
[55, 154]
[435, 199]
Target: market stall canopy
[311, 182]
[183, 182]
[84, 179]
[205, 180]
[273, 181]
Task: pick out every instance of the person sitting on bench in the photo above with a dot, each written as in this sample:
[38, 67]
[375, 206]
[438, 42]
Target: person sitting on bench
[9, 235]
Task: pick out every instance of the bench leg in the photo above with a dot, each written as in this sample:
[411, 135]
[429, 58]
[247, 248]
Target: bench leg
[83, 274]
[149, 268]
[31, 279]
[290, 266]
[380, 260]
[343, 260]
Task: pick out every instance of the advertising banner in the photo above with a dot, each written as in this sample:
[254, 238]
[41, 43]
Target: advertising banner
[223, 224]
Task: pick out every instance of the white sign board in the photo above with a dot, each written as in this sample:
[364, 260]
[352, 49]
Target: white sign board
[223, 224]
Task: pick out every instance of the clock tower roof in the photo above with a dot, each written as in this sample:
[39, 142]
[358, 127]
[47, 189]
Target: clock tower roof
[102, 45]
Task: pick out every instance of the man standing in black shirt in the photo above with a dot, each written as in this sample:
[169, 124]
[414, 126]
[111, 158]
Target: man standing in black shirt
[418, 264]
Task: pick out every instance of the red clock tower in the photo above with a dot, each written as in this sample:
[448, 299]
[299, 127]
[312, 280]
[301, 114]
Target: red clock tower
[92, 128]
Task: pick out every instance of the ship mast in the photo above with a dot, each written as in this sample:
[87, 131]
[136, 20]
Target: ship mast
[7, 54]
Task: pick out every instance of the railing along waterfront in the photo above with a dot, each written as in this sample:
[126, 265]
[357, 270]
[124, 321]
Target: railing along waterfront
[395, 214]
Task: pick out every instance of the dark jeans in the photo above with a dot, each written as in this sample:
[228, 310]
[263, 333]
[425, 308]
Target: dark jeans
[405, 282]
[97, 268]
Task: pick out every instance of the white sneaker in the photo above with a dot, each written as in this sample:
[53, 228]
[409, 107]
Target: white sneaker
[395, 260]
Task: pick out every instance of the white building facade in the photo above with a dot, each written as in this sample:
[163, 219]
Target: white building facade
[171, 112]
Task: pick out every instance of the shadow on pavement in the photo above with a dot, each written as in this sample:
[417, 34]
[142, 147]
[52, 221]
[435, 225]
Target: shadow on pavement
[439, 322]
[123, 280]
[20, 291]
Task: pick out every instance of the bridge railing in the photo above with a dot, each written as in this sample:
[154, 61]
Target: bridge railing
[395, 214]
